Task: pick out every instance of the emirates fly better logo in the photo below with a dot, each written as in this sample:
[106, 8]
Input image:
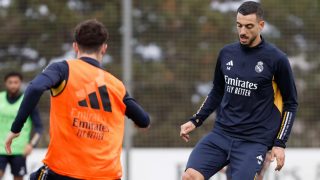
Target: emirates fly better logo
[239, 87]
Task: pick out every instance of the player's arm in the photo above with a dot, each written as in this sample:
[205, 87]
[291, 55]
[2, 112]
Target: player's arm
[213, 99]
[135, 112]
[51, 77]
[285, 81]
[211, 102]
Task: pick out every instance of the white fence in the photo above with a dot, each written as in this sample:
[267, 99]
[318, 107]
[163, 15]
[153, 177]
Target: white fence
[169, 163]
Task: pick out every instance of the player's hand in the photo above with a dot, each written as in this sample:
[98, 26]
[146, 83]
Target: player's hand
[265, 166]
[278, 154]
[186, 128]
[27, 150]
[8, 141]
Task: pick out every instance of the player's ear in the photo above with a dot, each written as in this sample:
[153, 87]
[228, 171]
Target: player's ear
[104, 48]
[261, 24]
[75, 47]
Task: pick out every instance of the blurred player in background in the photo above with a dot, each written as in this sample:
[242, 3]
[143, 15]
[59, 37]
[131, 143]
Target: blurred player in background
[88, 109]
[10, 101]
[256, 100]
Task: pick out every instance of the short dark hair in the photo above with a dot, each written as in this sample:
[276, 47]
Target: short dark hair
[90, 35]
[251, 7]
[13, 74]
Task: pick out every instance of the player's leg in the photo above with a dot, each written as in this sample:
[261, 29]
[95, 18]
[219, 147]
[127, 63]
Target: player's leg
[3, 164]
[228, 172]
[18, 166]
[246, 160]
[192, 174]
[206, 159]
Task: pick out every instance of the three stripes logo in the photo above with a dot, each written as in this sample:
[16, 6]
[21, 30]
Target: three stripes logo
[229, 65]
[93, 100]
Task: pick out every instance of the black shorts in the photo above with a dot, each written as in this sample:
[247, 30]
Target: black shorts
[215, 151]
[17, 164]
[45, 173]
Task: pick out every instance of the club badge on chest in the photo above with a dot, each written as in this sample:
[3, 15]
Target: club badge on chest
[259, 67]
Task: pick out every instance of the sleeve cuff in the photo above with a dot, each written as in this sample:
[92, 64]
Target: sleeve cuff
[15, 130]
[279, 143]
[196, 121]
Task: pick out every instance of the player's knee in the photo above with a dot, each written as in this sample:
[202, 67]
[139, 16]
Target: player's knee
[191, 174]
[186, 176]
[1, 173]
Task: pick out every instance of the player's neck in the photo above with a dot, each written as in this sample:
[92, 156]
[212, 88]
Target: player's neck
[94, 56]
[256, 42]
[13, 94]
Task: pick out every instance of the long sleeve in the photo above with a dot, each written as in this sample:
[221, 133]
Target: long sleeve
[135, 112]
[285, 81]
[50, 77]
[213, 99]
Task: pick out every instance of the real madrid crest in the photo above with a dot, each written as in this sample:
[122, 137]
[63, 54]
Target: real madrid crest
[259, 67]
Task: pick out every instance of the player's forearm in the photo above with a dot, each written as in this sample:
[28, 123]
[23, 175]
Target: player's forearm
[285, 129]
[290, 106]
[285, 81]
[287, 120]
[136, 113]
[212, 101]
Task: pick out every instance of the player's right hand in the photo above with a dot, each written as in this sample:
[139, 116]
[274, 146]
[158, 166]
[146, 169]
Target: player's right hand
[8, 141]
[278, 153]
[185, 129]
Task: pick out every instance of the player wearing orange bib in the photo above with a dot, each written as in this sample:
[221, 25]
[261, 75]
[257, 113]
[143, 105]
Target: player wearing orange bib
[88, 109]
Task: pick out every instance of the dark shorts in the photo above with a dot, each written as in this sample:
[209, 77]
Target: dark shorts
[214, 151]
[45, 173]
[16, 162]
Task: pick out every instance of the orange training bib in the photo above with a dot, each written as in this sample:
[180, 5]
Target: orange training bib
[87, 124]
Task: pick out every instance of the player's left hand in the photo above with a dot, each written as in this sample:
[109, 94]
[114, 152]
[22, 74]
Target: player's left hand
[27, 150]
[185, 129]
[8, 141]
[279, 154]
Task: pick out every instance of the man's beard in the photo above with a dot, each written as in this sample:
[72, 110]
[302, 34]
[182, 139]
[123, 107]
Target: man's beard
[13, 93]
[250, 41]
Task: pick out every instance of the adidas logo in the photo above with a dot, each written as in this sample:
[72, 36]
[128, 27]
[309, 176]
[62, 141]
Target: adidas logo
[93, 100]
[229, 65]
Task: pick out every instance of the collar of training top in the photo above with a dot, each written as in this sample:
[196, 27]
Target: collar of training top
[91, 61]
[260, 45]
